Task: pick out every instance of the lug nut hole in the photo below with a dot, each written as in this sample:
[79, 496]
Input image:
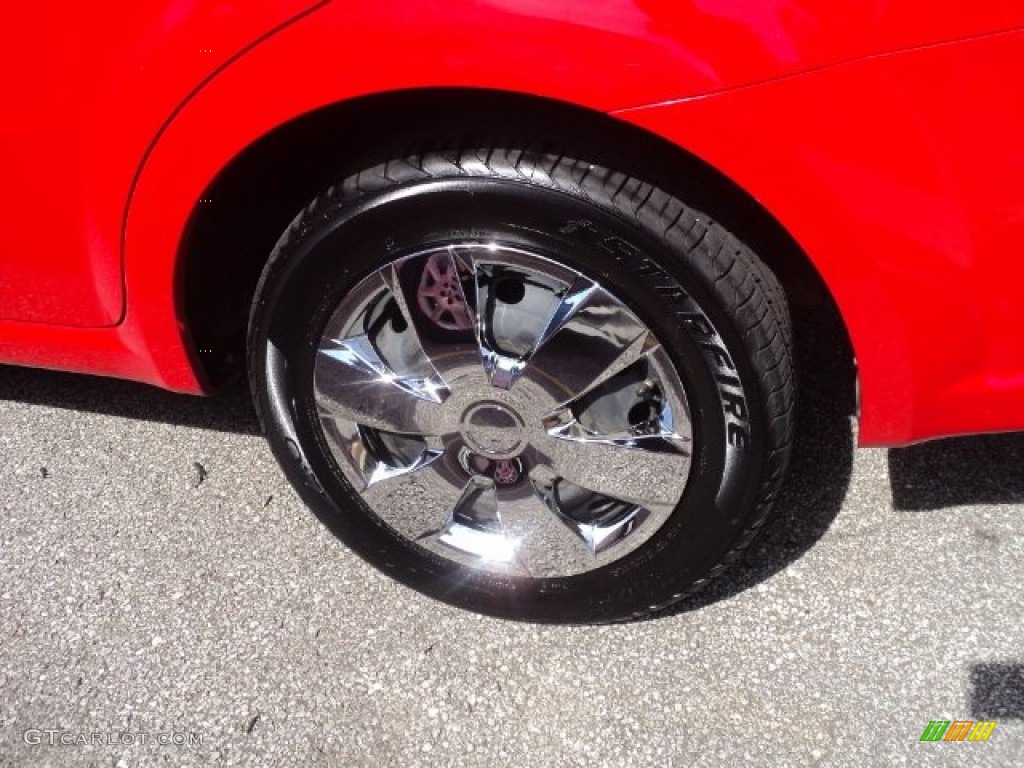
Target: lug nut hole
[510, 290]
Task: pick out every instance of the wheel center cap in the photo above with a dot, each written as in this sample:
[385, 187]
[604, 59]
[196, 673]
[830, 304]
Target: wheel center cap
[493, 429]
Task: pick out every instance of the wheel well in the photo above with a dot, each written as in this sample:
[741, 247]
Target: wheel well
[234, 228]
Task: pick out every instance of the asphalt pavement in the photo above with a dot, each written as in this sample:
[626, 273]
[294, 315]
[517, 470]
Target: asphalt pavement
[166, 600]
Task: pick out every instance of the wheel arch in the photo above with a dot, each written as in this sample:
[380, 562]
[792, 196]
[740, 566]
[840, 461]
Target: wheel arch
[326, 87]
[233, 227]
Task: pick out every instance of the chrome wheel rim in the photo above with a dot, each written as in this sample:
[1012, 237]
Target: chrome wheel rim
[503, 411]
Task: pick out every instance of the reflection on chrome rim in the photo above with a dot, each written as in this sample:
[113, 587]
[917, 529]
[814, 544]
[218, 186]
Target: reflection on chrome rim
[503, 411]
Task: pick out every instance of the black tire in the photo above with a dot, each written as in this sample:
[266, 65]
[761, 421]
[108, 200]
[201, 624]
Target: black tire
[718, 311]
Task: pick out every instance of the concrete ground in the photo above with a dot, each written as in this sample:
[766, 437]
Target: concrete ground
[159, 579]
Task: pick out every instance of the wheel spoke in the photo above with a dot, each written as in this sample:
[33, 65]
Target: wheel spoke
[418, 502]
[353, 383]
[546, 543]
[589, 338]
[636, 407]
[473, 531]
[600, 522]
[455, 517]
[430, 296]
[646, 470]
[659, 435]
[514, 303]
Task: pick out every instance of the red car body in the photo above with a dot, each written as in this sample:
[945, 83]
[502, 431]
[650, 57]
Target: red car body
[883, 137]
